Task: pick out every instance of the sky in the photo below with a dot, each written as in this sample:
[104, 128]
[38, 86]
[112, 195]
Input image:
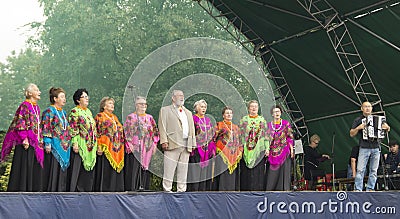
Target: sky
[14, 14]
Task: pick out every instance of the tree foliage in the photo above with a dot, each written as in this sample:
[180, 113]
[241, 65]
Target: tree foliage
[98, 44]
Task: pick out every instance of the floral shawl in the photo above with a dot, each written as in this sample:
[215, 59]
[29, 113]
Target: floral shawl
[83, 131]
[110, 138]
[252, 132]
[281, 137]
[55, 129]
[228, 146]
[204, 132]
[141, 135]
[25, 125]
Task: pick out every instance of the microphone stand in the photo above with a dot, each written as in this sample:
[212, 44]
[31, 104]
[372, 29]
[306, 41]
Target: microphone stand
[384, 171]
[332, 162]
[141, 189]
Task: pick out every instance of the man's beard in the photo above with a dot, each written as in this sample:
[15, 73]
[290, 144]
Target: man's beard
[180, 102]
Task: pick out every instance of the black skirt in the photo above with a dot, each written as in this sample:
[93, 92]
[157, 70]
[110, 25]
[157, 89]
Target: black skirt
[199, 178]
[136, 178]
[280, 179]
[26, 172]
[225, 180]
[253, 179]
[79, 179]
[54, 179]
[107, 179]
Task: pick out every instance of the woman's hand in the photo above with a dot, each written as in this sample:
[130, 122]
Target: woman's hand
[47, 147]
[99, 151]
[25, 143]
[75, 147]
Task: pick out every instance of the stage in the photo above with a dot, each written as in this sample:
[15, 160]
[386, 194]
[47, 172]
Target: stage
[303, 204]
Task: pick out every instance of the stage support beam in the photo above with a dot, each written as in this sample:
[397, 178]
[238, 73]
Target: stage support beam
[357, 74]
[255, 45]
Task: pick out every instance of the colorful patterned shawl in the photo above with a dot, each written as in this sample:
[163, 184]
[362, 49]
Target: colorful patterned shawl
[252, 133]
[24, 125]
[55, 129]
[204, 132]
[228, 146]
[281, 137]
[83, 131]
[141, 133]
[110, 138]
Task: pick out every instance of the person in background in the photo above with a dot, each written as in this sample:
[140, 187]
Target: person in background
[110, 154]
[25, 134]
[392, 160]
[142, 136]
[56, 138]
[312, 159]
[84, 144]
[352, 165]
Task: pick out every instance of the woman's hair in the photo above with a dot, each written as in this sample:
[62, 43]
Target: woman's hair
[276, 107]
[140, 98]
[315, 137]
[29, 89]
[54, 92]
[250, 102]
[77, 95]
[197, 103]
[226, 108]
[103, 102]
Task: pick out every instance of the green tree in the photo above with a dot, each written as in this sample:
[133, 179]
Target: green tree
[98, 44]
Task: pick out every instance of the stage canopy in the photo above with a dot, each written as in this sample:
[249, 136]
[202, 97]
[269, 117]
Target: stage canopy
[325, 57]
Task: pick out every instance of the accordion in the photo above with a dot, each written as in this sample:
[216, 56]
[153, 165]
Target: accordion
[373, 127]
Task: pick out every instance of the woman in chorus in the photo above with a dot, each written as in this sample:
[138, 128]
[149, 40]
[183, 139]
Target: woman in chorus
[253, 167]
[56, 141]
[280, 153]
[84, 144]
[24, 133]
[199, 174]
[229, 151]
[141, 136]
[110, 141]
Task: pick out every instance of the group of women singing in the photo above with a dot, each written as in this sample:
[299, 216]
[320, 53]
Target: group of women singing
[58, 152]
[252, 156]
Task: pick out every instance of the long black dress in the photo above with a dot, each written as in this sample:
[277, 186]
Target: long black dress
[109, 176]
[26, 169]
[55, 131]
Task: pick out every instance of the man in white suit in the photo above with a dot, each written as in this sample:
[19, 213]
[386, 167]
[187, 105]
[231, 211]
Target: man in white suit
[177, 137]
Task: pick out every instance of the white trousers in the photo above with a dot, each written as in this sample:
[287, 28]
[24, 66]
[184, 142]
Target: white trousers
[177, 158]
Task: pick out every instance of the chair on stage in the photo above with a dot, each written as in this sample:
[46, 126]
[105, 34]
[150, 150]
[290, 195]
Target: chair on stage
[318, 180]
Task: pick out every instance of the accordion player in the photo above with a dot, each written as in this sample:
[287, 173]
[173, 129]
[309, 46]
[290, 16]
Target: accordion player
[373, 127]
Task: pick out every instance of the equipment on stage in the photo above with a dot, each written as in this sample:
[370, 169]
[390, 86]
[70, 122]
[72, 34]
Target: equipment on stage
[373, 127]
[298, 147]
[332, 160]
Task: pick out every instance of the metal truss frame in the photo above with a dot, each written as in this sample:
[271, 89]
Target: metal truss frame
[256, 46]
[328, 18]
